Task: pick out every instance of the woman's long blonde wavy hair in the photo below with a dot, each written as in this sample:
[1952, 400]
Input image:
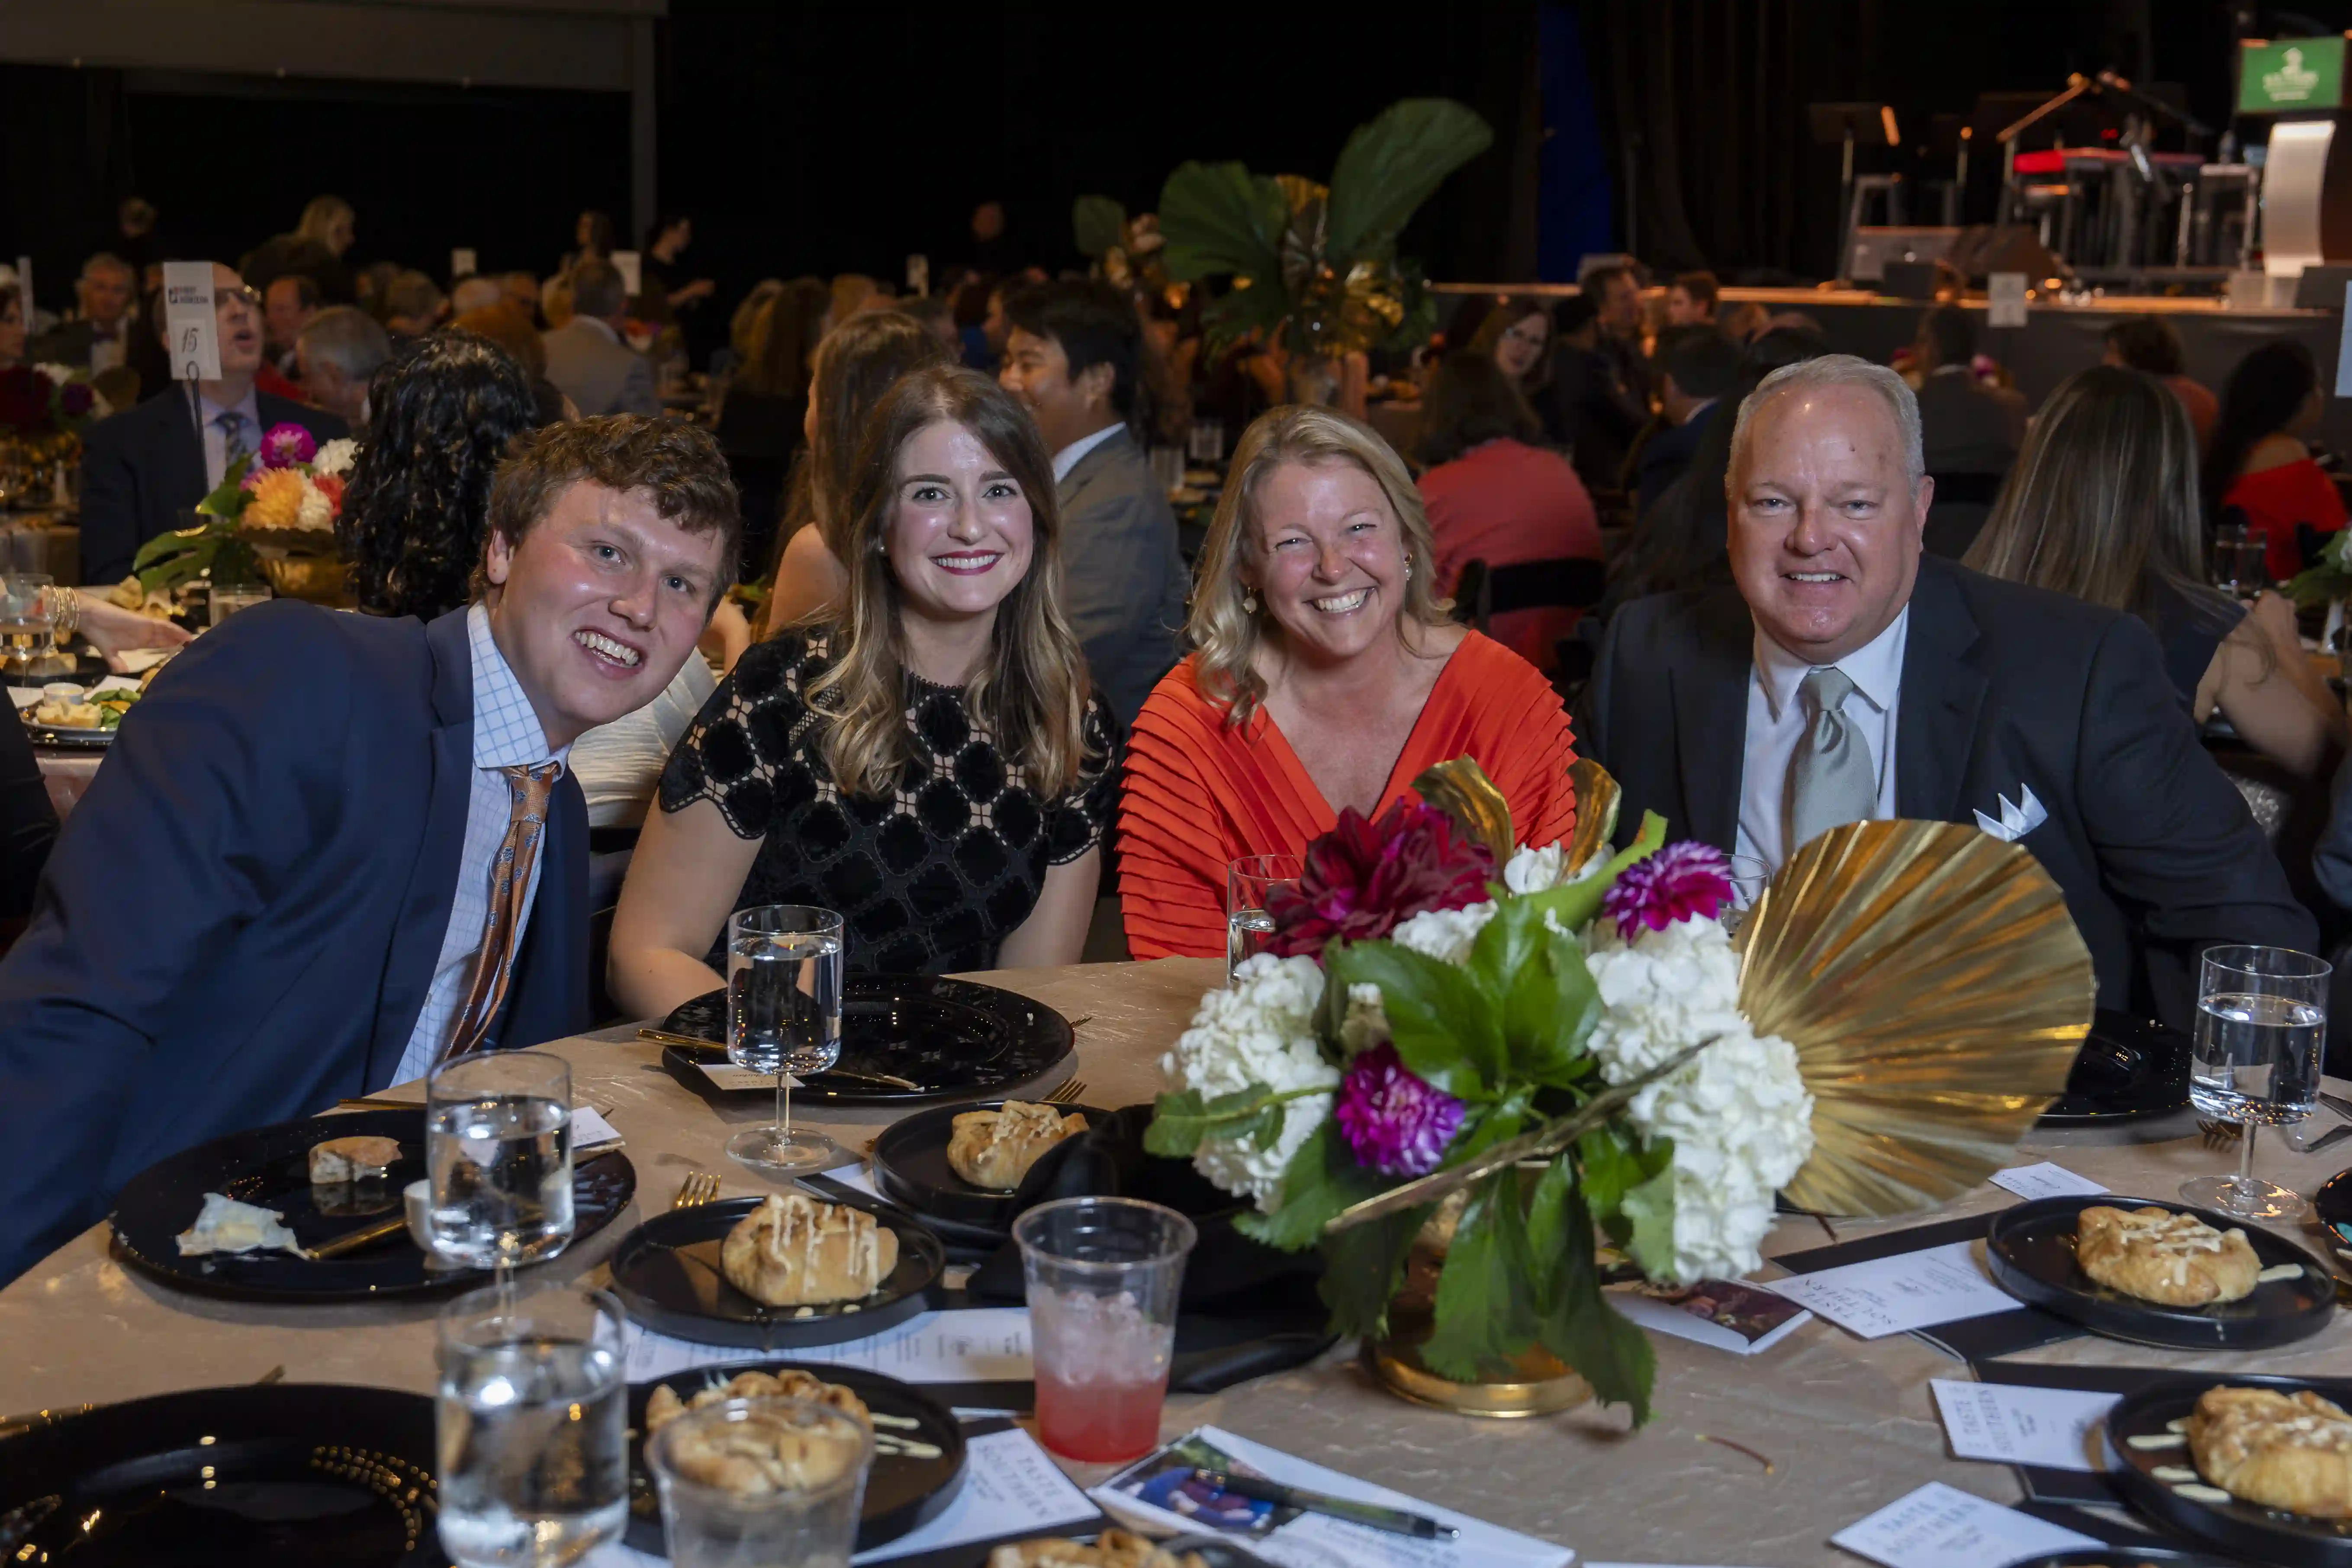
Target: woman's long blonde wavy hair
[1030, 692]
[1226, 634]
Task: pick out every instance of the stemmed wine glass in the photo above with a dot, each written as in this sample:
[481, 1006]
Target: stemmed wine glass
[2262, 1013]
[783, 1015]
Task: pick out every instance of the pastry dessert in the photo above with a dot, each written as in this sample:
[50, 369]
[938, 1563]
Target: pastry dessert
[793, 1251]
[2290, 1451]
[339, 1160]
[760, 1454]
[994, 1148]
[2173, 1259]
[223, 1225]
[665, 1407]
[1112, 1549]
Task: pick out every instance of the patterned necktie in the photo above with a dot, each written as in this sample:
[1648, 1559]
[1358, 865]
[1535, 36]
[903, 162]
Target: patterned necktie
[1830, 780]
[233, 444]
[509, 881]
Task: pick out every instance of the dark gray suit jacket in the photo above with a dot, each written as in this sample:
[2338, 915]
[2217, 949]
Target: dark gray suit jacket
[2002, 686]
[1967, 427]
[1123, 581]
[598, 374]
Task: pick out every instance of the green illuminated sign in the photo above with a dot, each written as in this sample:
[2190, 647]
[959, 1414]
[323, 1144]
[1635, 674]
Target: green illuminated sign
[2289, 74]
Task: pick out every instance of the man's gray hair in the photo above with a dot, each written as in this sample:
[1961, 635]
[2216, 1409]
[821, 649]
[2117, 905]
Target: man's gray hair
[347, 338]
[1836, 370]
[597, 289]
[107, 261]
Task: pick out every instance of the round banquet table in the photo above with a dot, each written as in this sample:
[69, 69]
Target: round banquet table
[1848, 1425]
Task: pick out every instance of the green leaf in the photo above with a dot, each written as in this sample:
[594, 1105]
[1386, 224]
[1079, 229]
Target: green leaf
[1573, 904]
[1362, 1268]
[1611, 1167]
[1220, 218]
[1550, 1001]
[1651, 1208]
[1548, 1208]
[1098, 224]
[1446, 1025]
[1182, 1119]
[1579, 1326]
[1488, 1126]
[1485, 1305]
[1390, 166]
[1321, 1179]
[1239, 311]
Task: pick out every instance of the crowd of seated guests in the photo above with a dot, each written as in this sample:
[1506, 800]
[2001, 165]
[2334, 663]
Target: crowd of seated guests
[2258, 474]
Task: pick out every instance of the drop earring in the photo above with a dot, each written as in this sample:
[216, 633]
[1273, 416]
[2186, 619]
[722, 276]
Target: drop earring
[1408, 568]
[1249, 600]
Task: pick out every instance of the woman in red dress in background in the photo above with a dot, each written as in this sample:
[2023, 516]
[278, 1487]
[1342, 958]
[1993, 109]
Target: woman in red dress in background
[2257, 463]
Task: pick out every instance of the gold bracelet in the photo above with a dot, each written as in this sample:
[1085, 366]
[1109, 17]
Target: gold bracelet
[66, 616]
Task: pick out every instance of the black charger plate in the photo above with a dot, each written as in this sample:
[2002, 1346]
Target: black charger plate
[2129, 1068]
[911, 1167]
[2030, 1252]
[902, 1492]
[2332, 1206]
[269, 1166]
[2127, 1557]
[957, 1039]
[666, 1273]
[262, 1476]
[2241, 1528]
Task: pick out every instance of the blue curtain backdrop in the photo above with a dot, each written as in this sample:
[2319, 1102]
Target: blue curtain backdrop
[1577, 202]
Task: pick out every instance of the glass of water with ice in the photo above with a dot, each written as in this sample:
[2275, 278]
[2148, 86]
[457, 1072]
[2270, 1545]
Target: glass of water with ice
[531, 1416]
[783, 1015]
[1250, 883]
[498, 1145]
[2262, 1014]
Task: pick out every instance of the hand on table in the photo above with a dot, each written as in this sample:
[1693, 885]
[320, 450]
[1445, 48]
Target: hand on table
[110, 629]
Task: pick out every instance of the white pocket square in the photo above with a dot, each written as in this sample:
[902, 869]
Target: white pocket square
[2017, 817]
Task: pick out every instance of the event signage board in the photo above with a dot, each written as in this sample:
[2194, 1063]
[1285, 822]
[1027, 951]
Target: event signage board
[2279, 75]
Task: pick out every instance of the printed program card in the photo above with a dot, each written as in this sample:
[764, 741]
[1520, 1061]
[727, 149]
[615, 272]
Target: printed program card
[983, 1344]
[1727, 1314]
[1895, 1295]
[1943, 1527]
[2018, 1426]
[2047, 1181]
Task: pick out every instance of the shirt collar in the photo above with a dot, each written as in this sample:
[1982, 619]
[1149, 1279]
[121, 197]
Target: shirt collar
[1068, 457]
[1875, 667]
[506, 731]
[250, 407]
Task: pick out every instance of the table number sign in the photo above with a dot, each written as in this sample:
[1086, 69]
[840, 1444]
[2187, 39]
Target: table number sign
[631, 267]
[191, 329]
[2005, 299]
[462, 262]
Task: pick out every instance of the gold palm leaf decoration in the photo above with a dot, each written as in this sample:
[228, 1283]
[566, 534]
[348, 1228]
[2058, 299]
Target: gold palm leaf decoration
[1598, 796]
[1937, 991]
[1461, 790]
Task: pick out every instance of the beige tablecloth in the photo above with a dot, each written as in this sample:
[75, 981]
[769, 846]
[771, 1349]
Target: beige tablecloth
[1848, 1425]
[66, 774]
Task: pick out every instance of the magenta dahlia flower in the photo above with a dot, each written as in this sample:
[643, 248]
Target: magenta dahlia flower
[1396, 1123]
[1362, 879]
[1683, 879]
[286, 445]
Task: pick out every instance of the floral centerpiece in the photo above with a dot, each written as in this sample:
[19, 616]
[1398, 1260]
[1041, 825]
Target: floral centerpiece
[42, 408]
[274, 513]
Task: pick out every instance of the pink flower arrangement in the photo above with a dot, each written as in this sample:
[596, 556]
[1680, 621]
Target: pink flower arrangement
[1363, 878]
[1395, 1123]
[284, 446]
[1684, 879]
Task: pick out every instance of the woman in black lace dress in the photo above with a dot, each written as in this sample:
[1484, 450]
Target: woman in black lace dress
[930, 760]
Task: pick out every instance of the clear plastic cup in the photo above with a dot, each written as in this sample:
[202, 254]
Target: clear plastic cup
[809, 1521]
[1103, 1276]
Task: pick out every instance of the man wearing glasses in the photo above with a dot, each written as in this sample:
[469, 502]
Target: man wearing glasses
[140, 469]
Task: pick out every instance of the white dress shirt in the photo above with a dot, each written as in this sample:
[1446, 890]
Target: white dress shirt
[1067, 457]
[505, 735]
[106, 351]
[1776, 723]
[216, 440]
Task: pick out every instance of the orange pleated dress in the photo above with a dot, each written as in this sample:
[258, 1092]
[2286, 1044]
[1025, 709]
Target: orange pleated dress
[1199, 794]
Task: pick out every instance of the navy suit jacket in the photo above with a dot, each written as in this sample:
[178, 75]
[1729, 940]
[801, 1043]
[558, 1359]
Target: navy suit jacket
[141, 467]
[240, 921]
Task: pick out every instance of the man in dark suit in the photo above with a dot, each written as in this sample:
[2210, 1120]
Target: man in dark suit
[1965, 425]
[1588, 409]
[1845, 677]
[97, 339]
[1073, 356]
[140, 468]
[1697, 366]
[286, 885]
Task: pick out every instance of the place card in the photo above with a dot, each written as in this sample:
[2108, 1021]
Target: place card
[591, 1133]
[1742, 1319]
[2005, 299]
[2045, 1181]
[1943, 1527]
[2011, 1329]
[1895, 1295]
[978, 1344]
[2049, 1427]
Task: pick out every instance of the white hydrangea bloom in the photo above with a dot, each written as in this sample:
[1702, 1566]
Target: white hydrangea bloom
[1260, 1029]
[57, 374]
[1534, 871]
[1738, 1114]
[335, 457]
[317, 511]
[1445, 935]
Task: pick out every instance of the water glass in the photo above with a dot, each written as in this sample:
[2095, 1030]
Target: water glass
[531, 1416]
[1750, 877]
[2228, 544]
[227, 599]
[812, 1525]
[1206, 442]
[1250, 882]
[1168, 468]
[497, 1146]
[783, 1015]
[2262, 1014]
[28, 608]
[1103, 1276]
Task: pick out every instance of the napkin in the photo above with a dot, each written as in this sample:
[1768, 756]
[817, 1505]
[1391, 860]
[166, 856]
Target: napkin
[1247, 1309]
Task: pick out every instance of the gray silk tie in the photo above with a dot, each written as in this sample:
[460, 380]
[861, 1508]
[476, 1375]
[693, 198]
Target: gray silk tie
[1831, 779]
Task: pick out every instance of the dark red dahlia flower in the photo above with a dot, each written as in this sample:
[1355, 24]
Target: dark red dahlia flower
[1363, 878]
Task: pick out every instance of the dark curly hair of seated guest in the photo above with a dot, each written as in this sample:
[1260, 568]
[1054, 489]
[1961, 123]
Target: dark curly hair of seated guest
[440, 416]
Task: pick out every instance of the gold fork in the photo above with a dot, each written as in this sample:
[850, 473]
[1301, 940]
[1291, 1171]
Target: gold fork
[2219, 1134]
[699, 1188]
[1068, 1093]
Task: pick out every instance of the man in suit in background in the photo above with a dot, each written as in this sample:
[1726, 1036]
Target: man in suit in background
[331, 851]
[1697, 367]
[587, 357]
[140, 468]
[97, 339]
[1846, 678]
[1073, 355]
[1588, 409]
[1965, 425]
[337, 353]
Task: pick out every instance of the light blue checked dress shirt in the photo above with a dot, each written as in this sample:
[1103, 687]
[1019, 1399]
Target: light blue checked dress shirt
[505, 735]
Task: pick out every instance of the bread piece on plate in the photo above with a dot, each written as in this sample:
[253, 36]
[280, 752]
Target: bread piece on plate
[2155, 1255]
[2290, 1451]
[223, 1225]
[994, 1148]
[665, 1407]
[762, 1454]
[341, 1160]
[793, 1251]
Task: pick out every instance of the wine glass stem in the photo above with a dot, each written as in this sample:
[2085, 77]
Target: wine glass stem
[785, 1105]
[2245, 1183]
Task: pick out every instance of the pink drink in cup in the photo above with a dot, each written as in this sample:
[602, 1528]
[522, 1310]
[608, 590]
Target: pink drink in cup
[1103, 1276]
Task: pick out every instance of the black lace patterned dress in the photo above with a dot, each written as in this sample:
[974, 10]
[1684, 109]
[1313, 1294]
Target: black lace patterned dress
[928, 879]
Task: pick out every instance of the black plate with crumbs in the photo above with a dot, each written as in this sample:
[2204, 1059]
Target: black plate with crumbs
[2244, 1530]
[2128, 1069]
[270, 1167]
[2030, 1250]
[953, 1039]
[259, 1476]
[667, 1273]
[911, 1167]
[903, 1489]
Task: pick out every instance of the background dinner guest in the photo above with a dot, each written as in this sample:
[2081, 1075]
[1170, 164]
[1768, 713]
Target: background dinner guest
[930, 762]
[522, 290]
[1494, 494]
[1587, 411]
[1616, 294]
[141, 467]
[2148, 344]
[1074, 359]
[592, 239]
[12, 326]
[2258, 472]
[200, 959]
[1846, 677]
[511, 328]
[99, 335]
[587, 356]
[315, 249]
[1968, 427]
[1690, 300]
[2104, 506]
[1696, 366]
[764, 414]
[287, 307]
[413, 306]
[338, 353]
[1325, 676]
[660, 298]
[1516, 335]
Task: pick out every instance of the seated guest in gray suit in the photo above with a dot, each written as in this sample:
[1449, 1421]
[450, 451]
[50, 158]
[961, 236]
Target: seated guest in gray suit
[1966, 426]
[99, 337]
[1846, 677]
[588, 359]
[1074, 357]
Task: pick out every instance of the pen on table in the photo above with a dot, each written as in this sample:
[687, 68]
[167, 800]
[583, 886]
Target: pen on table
[1396, 1520]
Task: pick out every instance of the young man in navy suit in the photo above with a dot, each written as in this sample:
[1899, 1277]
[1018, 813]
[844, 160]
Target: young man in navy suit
[288, 884]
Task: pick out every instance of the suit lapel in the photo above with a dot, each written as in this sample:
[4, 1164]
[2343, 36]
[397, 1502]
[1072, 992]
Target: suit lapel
[1935, 729]
[1710, 698]
[183, 449]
